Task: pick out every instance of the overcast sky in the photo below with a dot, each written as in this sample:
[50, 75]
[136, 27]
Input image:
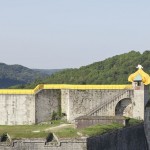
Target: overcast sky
[71, 33]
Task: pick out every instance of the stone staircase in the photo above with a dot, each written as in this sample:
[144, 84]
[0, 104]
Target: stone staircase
[97, 111]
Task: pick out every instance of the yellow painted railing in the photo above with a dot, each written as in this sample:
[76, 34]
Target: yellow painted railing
[62, 86]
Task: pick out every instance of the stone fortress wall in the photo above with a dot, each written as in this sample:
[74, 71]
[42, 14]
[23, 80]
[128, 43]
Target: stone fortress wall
[38, 106]
[20, 107]
[35, 108]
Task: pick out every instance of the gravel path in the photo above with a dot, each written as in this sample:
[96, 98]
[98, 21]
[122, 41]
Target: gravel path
[60, 127]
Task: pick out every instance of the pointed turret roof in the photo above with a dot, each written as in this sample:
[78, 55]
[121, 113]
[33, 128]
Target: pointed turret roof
[140, 75]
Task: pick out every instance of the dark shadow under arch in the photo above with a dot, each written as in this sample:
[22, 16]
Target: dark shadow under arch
[124, 108]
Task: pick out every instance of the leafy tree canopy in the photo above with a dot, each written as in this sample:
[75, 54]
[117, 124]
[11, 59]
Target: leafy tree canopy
[114, 70]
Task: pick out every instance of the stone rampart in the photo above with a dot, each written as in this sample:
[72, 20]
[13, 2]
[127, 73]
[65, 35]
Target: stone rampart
[17, 109]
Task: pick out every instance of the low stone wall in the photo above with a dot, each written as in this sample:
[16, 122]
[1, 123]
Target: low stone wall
[131, 138]
[85, 121]
[40, 144]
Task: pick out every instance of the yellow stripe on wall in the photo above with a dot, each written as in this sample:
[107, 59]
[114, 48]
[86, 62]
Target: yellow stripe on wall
[84, 87]
[63, 86]
[16, 91]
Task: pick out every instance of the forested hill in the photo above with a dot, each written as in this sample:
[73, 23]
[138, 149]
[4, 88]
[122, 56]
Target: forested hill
[114, 70]
[48, 71]
[17, 74]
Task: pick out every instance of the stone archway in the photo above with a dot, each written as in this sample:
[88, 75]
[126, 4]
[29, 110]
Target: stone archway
[124, 108]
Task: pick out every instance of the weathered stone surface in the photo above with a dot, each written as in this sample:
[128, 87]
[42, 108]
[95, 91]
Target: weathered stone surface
[46, 102]
[131, 138]
[17, 109]
[39, 144]
[81, 102]
[85, 121]
[65, 102]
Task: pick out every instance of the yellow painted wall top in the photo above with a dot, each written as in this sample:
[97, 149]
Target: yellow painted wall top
[62, 86]
[144, 76]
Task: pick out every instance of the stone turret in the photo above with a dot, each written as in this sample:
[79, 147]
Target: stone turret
[140, 81]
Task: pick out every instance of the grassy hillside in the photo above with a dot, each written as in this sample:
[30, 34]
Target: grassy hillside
[17, 74]
[114, 70]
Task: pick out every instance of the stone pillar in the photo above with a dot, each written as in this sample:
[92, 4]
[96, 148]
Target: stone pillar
[65, 103]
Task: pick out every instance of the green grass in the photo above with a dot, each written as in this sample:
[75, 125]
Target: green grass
[26, 131]
[89, 131]
[133, 121]
[66, 132]
[100, 129]
[58, 122]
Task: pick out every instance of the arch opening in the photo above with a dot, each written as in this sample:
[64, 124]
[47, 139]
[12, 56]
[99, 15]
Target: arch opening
[124, 108]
